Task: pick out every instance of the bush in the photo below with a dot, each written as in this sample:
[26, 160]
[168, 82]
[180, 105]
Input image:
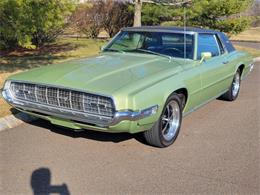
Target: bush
[30, 23]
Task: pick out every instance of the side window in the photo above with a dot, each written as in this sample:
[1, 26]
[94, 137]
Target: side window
[174, 45]
[228, 45]
[221, 47]
[151, 41]
[207, 43]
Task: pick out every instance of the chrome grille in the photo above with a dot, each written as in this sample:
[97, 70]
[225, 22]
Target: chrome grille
[67, 99]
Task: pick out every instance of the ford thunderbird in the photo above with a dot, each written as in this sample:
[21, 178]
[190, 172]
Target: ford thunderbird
[146, 79]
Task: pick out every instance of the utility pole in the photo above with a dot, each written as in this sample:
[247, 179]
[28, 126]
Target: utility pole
[138, 12]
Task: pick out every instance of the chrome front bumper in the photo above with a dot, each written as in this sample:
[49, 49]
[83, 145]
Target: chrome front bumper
[96, 120]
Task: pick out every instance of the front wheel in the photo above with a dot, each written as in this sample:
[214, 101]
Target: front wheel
[166, 129]
[234, 89]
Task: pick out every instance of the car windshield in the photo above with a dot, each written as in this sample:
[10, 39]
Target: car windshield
[177, 45]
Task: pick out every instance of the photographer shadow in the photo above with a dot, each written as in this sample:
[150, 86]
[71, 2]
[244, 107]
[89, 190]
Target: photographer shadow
[41, 183]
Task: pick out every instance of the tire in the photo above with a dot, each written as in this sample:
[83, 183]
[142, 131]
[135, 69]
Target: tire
[166, 129]
[234, 88]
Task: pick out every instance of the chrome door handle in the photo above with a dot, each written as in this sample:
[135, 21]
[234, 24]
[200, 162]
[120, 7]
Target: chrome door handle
[225, 62]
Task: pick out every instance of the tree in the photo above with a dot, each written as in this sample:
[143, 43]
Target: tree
[223, 15]
[153, 14]
[109, 15]
[87, 18]
[138, 7]
[116, 15]
[30, 23]
[255, 12]
[137, 14]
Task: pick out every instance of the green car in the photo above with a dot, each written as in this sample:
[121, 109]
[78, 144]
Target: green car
[144, 80]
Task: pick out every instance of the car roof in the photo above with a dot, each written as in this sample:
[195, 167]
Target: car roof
[171, 29]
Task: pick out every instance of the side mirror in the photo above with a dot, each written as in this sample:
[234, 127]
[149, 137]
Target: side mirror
[102, 47]
[205, 56]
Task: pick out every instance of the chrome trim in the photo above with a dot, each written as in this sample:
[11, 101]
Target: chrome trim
[53, 110]
[170, 120]
[133, 115]
[92, 119]
[203, 104]
[68, 88]
[159, 30]
[251, 67]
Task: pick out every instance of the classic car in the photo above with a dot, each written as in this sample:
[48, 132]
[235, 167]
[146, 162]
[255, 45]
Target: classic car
[144, 80]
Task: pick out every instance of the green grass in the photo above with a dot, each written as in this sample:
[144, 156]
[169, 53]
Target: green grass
[252, 34]
[62, 50]
[254, 52]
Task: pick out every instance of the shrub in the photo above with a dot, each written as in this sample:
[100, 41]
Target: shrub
[30, 23]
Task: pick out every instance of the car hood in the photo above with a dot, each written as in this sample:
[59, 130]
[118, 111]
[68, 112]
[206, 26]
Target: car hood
[105, 73]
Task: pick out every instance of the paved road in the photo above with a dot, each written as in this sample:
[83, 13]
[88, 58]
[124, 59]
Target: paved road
[216, 152]
[247, 44]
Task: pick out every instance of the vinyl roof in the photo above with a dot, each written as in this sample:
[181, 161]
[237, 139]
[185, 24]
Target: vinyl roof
[170, 28]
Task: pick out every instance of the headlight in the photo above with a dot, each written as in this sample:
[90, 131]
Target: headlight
[7, 85]
[6, 91]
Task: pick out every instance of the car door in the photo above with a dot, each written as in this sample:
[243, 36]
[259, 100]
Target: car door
[213, 70]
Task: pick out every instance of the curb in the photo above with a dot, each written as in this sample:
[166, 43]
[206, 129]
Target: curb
[244, 41]
[12, 121]
[257, 59]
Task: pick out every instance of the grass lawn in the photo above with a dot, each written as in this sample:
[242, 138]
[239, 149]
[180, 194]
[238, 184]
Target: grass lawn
[62, 50]
[254, 52]
[252, 34]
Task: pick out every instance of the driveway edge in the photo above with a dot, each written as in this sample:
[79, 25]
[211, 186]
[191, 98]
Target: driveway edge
[12, 121]
[257, 59]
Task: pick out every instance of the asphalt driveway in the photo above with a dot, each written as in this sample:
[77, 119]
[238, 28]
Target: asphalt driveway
[216, 152]
[254, 45]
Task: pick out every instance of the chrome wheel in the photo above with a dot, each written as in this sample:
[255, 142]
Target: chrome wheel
[170, 120]
[166, 129]
[236, 85]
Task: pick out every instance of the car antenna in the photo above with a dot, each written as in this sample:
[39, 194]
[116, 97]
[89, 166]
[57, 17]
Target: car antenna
[184, 28]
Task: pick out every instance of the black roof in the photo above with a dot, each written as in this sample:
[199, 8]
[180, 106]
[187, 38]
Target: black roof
[170, 28]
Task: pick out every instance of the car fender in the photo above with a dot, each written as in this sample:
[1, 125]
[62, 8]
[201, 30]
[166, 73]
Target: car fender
[156, 95]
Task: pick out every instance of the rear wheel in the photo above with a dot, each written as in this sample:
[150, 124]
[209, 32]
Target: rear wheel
[166, 129]
[234, 89]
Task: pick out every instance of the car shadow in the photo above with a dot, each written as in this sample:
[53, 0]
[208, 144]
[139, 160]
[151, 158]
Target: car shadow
[220, 98]
[88, 134]
[41, 183]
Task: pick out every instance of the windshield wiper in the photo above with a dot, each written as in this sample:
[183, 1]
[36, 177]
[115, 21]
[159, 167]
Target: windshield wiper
[114, 50]
[154, 53]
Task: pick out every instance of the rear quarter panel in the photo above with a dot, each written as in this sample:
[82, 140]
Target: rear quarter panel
[238, 58]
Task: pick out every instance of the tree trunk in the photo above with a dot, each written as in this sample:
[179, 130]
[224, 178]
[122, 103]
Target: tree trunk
[138, 10]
